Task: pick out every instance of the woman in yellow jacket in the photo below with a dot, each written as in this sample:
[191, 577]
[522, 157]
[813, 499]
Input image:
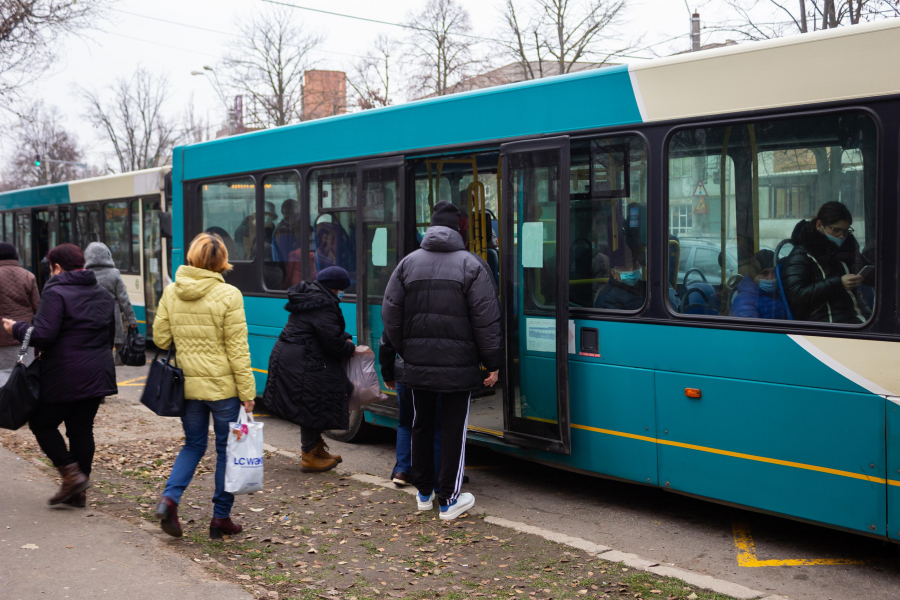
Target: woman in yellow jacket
[204, 317]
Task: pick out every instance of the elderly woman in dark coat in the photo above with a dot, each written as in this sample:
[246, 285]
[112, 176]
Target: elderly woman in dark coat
[307, 383]
[74, 331]
[98, 258]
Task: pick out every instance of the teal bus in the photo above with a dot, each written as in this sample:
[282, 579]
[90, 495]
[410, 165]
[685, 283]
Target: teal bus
[123, 211]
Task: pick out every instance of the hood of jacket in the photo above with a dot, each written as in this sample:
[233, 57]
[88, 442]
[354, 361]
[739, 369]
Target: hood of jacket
[98, 255]
[192, 283]
[80, 277]
[442, 239]
[306, 296]
[816, 243]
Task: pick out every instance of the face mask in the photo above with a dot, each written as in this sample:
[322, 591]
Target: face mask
[340, 295]
[767, 285]
[838, 241]
[630, 277]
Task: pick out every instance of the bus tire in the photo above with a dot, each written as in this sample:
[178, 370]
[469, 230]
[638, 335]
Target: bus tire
[355, 433]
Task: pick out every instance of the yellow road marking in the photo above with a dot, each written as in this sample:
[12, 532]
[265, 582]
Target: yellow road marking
[130, 382]
[486, 430]
[259, 370]
[746, 557]
[139, 321]
[765, 459]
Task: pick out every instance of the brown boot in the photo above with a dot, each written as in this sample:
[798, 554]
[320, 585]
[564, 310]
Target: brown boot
[167, 513]
[321, 450]
[311, 462]
[73, 482]
[77, 501]
[219, 527]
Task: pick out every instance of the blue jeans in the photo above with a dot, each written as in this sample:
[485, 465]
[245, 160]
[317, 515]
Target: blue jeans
[404, 434]
[196, 431]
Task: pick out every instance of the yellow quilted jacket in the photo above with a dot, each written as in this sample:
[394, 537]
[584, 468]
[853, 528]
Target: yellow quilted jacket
[205, 318]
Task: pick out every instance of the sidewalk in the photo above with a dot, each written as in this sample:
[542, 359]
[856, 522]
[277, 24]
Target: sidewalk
[81, 553]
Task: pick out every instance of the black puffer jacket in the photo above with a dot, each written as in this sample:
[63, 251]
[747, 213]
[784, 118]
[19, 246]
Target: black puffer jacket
[74, 330]
[812, 278]
[307, 384]
[441, 313]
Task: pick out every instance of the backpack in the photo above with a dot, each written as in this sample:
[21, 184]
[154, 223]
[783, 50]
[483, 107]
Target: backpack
[132, 351]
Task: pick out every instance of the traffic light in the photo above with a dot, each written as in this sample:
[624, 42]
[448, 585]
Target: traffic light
[37, 160]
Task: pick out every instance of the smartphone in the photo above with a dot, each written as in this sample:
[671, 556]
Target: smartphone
[866, 270]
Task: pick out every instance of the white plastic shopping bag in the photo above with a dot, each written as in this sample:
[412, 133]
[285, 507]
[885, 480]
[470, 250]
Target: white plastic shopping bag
[361, 373]
[244, 455]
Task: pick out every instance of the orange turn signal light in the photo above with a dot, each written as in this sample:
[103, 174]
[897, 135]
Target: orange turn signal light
[692, 392]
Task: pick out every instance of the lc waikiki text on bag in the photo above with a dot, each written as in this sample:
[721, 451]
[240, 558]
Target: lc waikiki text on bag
[133, 351]
[164, 392]
[19, 396]
[244, 455]
[361, 373]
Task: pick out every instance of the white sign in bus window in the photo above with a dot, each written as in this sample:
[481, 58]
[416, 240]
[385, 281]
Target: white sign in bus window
[533, 245]
[540, 335]
[379, 247]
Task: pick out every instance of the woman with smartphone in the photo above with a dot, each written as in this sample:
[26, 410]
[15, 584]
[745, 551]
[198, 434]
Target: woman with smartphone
[823, 272]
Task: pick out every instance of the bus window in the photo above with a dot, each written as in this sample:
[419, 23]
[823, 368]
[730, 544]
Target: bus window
[229, 210]
[65, 225]
[608, 223]
[87, 225]
[135, 215]
[332, 207]
[764, 198]
[23, 239]
[10, 230]
[115, 234]
[285, 255]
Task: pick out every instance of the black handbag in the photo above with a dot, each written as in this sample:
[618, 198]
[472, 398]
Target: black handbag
[20, 395]
[164, 392]
[133, 351]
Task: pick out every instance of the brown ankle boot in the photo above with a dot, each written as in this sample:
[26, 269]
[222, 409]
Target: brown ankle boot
[321, 450]
[311, 462]
[219, 527]
[73, 482]
[167, 513]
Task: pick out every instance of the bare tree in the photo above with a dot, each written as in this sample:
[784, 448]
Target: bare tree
[141, 135]
[28, 31]
[441, 48]
[370, 78]
[767, 19]
[560, 33]
[266, 67]
[39, 132]
[194, 128]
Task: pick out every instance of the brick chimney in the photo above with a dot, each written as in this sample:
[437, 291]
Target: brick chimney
[324, 94]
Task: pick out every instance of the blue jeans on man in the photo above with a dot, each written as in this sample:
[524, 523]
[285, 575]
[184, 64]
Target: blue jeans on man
[196, 432]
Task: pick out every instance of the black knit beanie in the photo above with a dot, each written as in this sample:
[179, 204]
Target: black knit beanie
[446, 214]
[8, 251]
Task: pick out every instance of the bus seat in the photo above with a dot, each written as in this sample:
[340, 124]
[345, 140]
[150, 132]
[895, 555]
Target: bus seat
[493, 261]
[700, 299]
[674, 259]
[778, 248]
[778, 270]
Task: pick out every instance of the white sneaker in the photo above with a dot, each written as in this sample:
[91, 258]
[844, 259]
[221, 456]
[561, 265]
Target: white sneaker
[464, 502]
[425, 503]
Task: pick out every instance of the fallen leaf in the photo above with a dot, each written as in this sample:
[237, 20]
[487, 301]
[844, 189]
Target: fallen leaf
[257, 509]
[656, 591]
[29, 547]
[70, 547]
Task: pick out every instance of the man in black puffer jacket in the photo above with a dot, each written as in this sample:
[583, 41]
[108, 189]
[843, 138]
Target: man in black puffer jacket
[441, 313]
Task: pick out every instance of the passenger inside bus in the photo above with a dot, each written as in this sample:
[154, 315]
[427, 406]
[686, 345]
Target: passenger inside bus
[757, 295]
[820, 275]
[626, 288]
[245, 234]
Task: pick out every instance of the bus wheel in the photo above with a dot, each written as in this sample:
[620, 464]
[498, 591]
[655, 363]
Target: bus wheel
[355, 433]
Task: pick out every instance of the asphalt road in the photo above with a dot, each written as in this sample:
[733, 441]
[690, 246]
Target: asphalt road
[662, 526]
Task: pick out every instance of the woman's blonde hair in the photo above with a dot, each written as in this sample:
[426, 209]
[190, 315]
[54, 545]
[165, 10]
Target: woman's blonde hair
[208, 252]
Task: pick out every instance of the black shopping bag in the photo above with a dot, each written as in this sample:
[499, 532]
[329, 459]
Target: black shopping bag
[164, 392]
[133, 350]
[19, 396]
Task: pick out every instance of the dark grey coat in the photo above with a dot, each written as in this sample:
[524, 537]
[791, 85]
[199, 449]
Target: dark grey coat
[98, 259]
[442, 314]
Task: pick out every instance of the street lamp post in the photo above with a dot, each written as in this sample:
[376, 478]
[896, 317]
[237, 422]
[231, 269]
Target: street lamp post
[229, 112]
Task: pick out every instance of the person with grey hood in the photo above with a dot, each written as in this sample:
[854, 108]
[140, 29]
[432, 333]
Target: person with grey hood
[442, 315]
[98, 258]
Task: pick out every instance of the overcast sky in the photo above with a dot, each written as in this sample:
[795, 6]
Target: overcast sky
[175, 37]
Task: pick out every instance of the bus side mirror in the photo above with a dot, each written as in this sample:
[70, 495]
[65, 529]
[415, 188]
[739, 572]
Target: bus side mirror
[165, 225]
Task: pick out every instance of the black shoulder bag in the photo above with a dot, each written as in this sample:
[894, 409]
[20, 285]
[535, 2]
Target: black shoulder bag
[20, 395]
[133, 350]
[164, 392]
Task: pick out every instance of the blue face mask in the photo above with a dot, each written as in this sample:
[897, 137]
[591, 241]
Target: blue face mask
[767, 285]
[630, 277]
[836, 240]
[340, 295]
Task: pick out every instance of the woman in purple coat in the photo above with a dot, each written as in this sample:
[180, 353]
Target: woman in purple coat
[74, 329]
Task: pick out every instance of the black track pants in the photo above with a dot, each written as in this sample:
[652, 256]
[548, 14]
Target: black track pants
[454, 420]
[79, 419]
